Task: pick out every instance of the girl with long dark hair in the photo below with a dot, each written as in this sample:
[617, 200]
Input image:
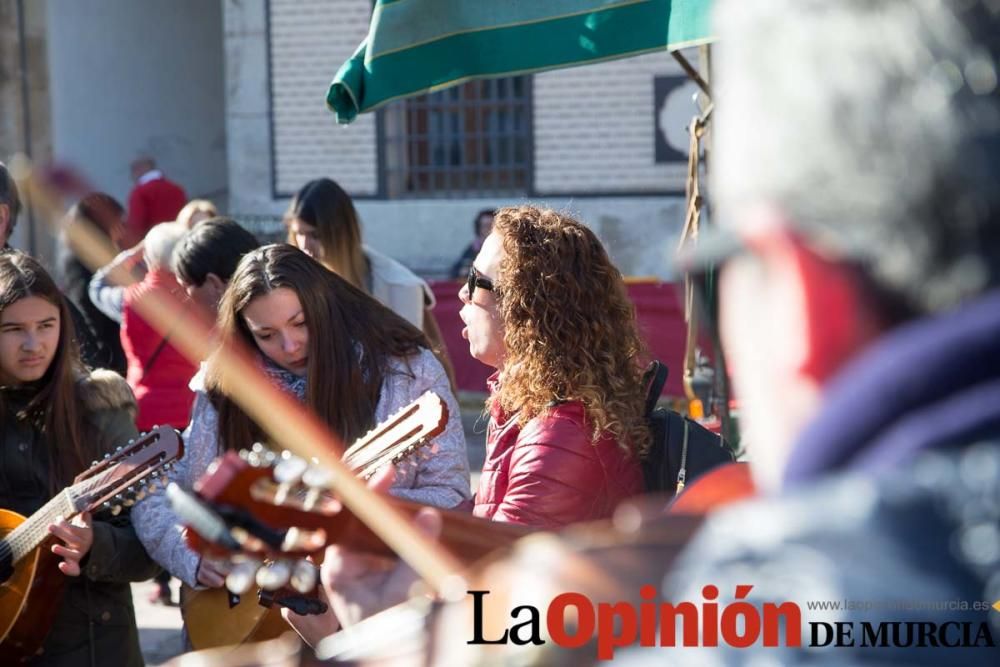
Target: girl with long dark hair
[55, 418]
[350, 360]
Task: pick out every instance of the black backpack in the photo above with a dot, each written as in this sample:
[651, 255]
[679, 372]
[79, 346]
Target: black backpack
[682, 450]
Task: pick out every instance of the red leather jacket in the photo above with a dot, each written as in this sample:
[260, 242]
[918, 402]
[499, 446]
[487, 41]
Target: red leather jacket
[549, 473]
[160, 387]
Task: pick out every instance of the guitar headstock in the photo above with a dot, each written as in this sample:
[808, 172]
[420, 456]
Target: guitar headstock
[399, 436]
[284, 491]
[278, 507]
[127, 475]
[271, 502]
[238, 515]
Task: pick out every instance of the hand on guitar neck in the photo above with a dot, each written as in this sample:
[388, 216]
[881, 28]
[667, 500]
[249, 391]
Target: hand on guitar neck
[77, 536]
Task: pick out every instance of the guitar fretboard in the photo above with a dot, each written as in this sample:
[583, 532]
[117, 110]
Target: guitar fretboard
[32, 532]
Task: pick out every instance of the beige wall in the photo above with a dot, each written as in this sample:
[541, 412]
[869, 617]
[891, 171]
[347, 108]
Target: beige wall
[594, 128]
[29, 235]
[309, 41]
[594, 132]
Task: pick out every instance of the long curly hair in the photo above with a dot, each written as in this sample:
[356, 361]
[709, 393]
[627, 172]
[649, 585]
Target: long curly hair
[569, 328]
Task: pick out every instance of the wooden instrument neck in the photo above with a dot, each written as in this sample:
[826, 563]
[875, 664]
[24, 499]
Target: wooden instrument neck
[33, 531]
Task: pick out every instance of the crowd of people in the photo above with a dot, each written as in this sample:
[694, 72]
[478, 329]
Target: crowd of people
[857, 257]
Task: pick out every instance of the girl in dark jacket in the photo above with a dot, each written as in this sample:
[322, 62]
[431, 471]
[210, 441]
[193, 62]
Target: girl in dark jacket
[56, 417]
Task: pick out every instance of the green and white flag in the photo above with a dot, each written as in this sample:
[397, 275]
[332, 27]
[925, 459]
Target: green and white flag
[419, 46]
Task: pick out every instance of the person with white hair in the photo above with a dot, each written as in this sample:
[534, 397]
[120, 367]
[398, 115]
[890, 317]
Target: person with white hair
[857, 161]
[157, 372]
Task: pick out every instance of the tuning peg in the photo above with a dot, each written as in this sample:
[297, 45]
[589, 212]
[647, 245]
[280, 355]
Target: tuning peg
[106, 506]
[304, 576]
[290, 469]
[274, 576]
[244, 454]
[93, 464]
[107, 456]
[257, 448]
[243, 576]
[129, 497]
[318, 477]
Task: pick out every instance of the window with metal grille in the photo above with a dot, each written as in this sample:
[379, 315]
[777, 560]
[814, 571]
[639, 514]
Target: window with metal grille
[472, 139]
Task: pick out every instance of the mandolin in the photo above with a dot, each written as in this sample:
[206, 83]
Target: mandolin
[31, 582]
[263, 493]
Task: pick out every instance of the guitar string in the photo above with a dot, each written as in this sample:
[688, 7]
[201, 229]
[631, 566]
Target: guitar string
[36, 530]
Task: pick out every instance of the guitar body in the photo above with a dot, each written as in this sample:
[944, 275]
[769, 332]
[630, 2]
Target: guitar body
[212, 623]
[29, 599]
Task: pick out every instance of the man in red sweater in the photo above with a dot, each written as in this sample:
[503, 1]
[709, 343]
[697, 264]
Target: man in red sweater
[153, 200]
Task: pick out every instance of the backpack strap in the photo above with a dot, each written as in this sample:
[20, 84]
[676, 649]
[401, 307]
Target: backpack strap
[655, 378]
[682, 470]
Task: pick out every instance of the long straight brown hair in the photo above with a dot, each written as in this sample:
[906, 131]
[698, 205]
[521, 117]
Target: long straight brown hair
[55, 408]
[325, 205]
[352, 337]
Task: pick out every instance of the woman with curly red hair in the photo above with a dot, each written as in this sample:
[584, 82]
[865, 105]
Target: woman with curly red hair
[545, 306]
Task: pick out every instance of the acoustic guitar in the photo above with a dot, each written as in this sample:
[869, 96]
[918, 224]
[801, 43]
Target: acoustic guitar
[606, 559]
[32, 585]
[247, 489]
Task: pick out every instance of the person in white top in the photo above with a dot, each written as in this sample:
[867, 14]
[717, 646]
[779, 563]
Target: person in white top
[323, 223]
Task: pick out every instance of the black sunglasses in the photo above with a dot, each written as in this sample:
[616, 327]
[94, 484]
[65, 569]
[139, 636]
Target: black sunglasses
[477, 279]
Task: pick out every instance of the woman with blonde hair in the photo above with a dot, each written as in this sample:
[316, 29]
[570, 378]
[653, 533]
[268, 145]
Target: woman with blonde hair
[195, 211]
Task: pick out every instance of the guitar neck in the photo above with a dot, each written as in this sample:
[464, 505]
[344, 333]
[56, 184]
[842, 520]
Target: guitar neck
[468, 537]
[108, 483]
[35, 529]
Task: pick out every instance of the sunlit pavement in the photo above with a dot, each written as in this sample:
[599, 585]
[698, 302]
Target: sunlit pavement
[159, 626]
